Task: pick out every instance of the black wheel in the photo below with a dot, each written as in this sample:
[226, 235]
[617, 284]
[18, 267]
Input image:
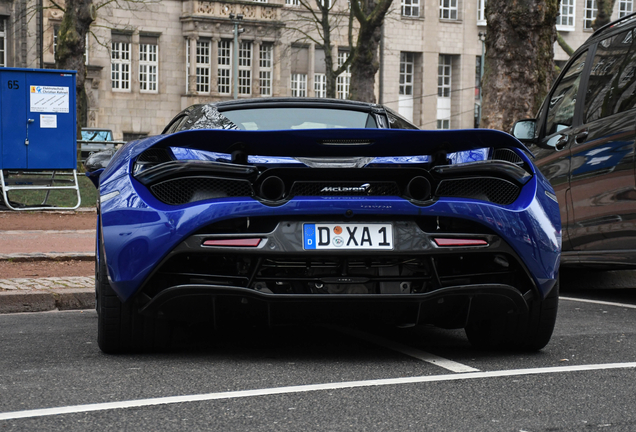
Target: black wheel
[530, 332]
[120, 328]
[540, 324]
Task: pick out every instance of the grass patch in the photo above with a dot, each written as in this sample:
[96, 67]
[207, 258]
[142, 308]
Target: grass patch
[57, 198]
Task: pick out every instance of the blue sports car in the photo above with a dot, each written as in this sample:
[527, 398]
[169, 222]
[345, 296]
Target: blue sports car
[272, 211]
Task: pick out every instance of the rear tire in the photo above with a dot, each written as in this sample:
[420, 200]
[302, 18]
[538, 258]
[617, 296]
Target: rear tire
[528, 332]
[120, 327]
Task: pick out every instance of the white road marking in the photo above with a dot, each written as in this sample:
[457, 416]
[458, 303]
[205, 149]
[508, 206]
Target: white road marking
[304, 388]
[625, 305]
[407, 350]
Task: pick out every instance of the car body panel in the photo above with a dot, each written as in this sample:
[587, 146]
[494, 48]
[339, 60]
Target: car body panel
[139, 231]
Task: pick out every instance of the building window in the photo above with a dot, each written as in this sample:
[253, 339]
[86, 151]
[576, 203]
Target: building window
[625, 7]
[405, 98]
[292, 2]
[589, 13]
[148, 67]
[225, 67]
[320, 85]
[245, 68]
[443, 124]
[477, 77]
[344, 79]
[444, 76]
[444, 71]
[481, 12]
[448, 9]
[260, 1]
[411, 8]
[120, 66]
[406, 73]
[265, 69]
[202, 65]
[3, 42]
[565, 20]
[299, 85]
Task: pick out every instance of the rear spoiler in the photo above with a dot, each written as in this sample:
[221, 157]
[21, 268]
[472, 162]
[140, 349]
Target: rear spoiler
[333, 142]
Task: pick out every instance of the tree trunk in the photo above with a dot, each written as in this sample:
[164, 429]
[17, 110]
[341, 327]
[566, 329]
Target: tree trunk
[519, 65]
[365, 62]
[604, 14]
[71, 47]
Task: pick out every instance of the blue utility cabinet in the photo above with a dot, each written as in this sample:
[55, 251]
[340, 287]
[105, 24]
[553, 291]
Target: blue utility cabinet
[37, 119]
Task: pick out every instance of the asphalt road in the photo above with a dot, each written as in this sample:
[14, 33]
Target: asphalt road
[53, 377]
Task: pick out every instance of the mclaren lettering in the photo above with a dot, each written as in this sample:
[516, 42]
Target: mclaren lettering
[361, 189]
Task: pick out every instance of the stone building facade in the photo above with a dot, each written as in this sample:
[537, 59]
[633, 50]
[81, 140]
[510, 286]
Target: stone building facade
[147, 61]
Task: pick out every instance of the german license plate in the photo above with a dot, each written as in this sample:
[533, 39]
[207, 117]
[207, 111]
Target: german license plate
[348, 236]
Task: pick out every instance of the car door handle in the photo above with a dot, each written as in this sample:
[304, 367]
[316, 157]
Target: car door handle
[581, 136]
[562, 142]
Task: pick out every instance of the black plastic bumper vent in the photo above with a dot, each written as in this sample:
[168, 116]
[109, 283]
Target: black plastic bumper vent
[494, 190]
[190, 189]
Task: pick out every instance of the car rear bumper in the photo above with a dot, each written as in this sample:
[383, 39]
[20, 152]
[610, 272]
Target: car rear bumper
[450, 307]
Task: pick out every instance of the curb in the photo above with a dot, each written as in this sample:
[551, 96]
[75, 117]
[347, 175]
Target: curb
[51, 256]
[39, 301]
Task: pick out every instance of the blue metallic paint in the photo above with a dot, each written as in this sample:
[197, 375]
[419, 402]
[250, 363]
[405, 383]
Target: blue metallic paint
[139, 231]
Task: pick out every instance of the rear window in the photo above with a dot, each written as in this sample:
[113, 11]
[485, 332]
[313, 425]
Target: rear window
[298, 118]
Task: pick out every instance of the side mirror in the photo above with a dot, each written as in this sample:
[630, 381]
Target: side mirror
[524, 130]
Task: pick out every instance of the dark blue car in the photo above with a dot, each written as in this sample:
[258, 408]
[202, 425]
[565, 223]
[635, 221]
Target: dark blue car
[274, 211]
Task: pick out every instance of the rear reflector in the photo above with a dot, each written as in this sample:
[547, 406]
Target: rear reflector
[243, 242]
[459, 242]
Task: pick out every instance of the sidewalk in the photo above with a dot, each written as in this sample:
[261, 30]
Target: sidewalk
[38, 245]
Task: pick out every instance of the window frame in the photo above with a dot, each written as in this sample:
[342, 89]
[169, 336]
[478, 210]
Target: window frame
[3, 42]
[120, 64]
[545, 109]
[481, 13]
[265, 68]
[320, 85]
[443, 124]
[244, 73]
[589, 13]
[411, 8]
[570, 18]
[406, 77]
[449, 8]
[298, 84]
[442, 67]
[148, 85]
[224, 67]
[623, 11]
